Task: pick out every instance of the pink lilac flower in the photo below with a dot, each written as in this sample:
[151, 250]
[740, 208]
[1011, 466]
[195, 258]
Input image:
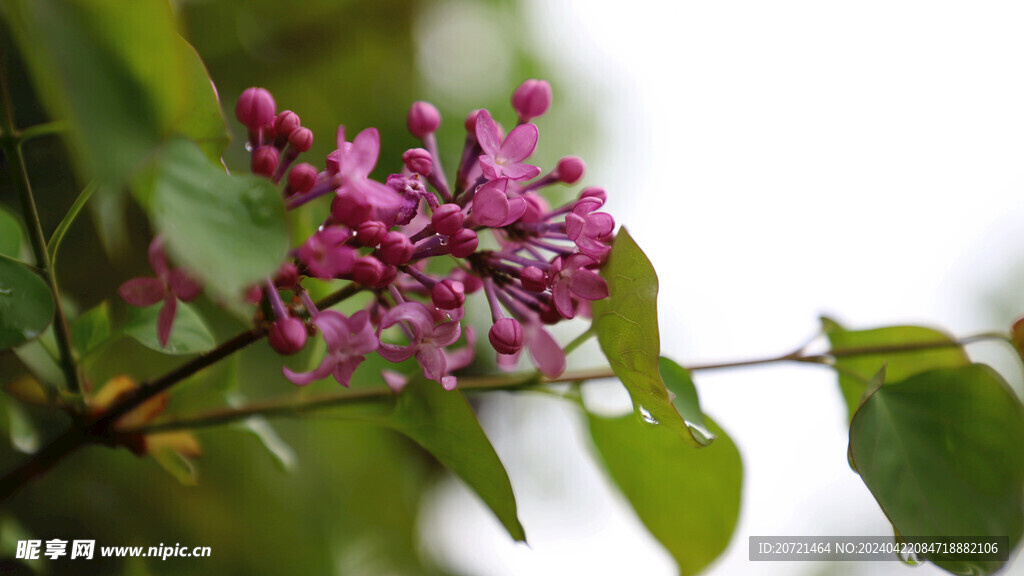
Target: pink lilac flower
[571, 277]
[504, 159]
[492, 207]
[325, 254]
[168, 285]
[349, 340]
[591, 231]
[426, 340]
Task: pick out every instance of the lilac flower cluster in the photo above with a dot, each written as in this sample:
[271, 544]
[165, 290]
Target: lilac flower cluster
[384, 236]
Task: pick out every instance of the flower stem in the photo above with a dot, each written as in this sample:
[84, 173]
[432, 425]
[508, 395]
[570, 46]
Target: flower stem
[11, 142]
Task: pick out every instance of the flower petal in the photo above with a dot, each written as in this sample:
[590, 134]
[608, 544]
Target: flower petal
[545, 351]
[142, 292]
[416, 314]
[487, 133]
[520, 172]
[303, 378]
[165, 321]
[433, 362]
[447, 333]
[360, 160]
[183, 286]
[394, 352]
[490, 204]
[343, 370]
[157, 257]
[588, 285]
[519, 144]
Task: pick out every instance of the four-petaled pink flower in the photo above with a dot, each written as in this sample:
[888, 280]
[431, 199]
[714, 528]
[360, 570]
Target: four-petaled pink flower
[571, 277]
[348, 341]
[355, 161]
[325, 255]
[591, 231]
[492, 206]
[426, 340]
[168, 285]
[504, 159]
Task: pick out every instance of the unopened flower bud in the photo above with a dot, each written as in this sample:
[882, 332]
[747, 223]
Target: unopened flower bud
[387, 276]
[471, 121]
[423, 119]
[533, 279]
[287, 276]
[470, 283]
[531, 99]
[287, 336]
[264, 160]
[396, 249]
[570, 170]
[286, 122]
[367, 271]
[506, 336]
[371, 233]
[301, 139]
[301, 178]
[448, 219]
[448, 294]
[463, 243]
[255, 108]
[594, 193]
[418, 161]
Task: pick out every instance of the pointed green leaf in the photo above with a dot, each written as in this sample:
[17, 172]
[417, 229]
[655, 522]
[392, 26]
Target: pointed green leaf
[189, 334]
[678, 381]
[443, 423]
[689, 499]
[941, 453]
[10, 234]
[627, 329]
[283, 454]
[228, 231]
[177, 465]
[121, 77]
[26, 306]
[855, 370]
[91, 330]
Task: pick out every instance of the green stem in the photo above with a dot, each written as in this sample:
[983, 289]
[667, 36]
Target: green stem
[38, 130]
[19, 174]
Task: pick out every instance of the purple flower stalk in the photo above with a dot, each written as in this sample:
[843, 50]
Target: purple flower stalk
[416, 243]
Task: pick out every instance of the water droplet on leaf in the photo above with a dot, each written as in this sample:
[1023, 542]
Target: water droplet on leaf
[646, 416]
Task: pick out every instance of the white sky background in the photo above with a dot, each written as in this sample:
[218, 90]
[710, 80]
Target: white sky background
[776, 161]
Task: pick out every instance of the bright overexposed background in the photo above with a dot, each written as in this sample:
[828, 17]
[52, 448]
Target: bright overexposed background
[777, 161]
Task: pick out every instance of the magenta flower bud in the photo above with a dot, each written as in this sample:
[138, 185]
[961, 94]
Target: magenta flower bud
[301, 178]
[367, 271]
[595, 193]
[463, 243]
[264, 160]
[286, 122]
[371, 233]
[570, 170]
[448, 294]
[531, 99]
[423, 119]
[448, 219]
[418, 161]
[287, 276]
[351, 209]
[287, 336]
[255, 108]
[333, 162]
[396, 249]
[471, 121]
[387, 277]
[536, 208]
[301, 139]
[506, 336]
[533, 279]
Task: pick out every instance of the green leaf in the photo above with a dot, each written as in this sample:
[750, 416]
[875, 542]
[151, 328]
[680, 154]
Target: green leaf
[627, 329]
[678, 381]
[856, 370]
[283, 454]
[91, 330]
[10, 234]
[177, 465]
[26, 306]
[53, 246]
[689, 499]
[121, 77]
[228, 231]
[443, 423]
[189, 334]
[24, 435]
[941, 453]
